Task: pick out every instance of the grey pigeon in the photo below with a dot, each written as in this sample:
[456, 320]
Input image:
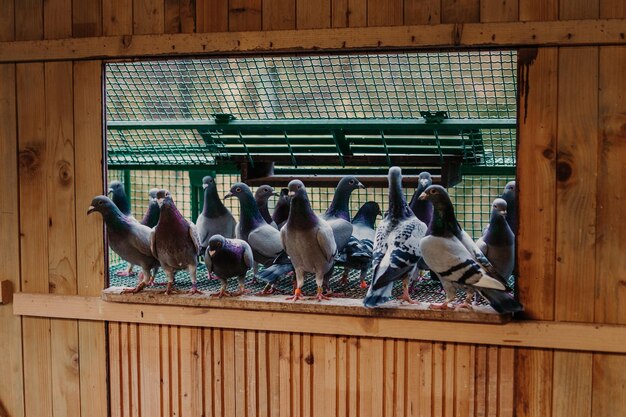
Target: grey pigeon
[174, 242]
[337, 215]
[151, 218]
[357, 254]
[498, 242]
[127, 237]
[281, 209]
[396, 245]
[308, 240]
[509, 196]
[119, 197]
[227, 258]
[454, 257]
[423, 209]
[261, 195]
[215, 218]
[252, 228]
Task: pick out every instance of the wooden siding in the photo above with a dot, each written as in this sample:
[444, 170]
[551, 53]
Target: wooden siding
[571, 166]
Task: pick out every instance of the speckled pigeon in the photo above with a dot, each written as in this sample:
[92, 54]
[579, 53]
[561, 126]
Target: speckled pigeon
[308, 240]
[511, 212]
[119, 197]
[261, 195]
[174, 242]
[127, 237]
[252, 228]
[337, 215]
[423, 209]
[454, 257]
[151, 218]
[215, 218]
[227, 258]
[357, 254]
[281, 209]
[498, 242]
[396, 245]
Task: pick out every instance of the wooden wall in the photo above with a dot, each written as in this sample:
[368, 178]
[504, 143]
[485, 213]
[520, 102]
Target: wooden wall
[572, 148]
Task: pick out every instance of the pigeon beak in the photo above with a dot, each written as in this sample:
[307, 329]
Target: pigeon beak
[91, 209]
[211, 253]
[204, 186]
[423, 196]
[229, 195]
[424, 182]
[361, 186]
[292, 193]
[110, 191]
[503, 212]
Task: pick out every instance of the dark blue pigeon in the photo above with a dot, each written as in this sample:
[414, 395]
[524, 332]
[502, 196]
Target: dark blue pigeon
[261, 195]
[127, 237]
[509, 196]
[119, 197]
[338, 213]
[281, 209]
[498, 242]
[151, 218]
[308, 240]
[215, 218]
[227, 258]
[174, 242]
[423, 209]
[357, 254]
[396, 245]
[458, 262]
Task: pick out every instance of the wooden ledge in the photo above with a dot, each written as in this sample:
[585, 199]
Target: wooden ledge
[335, 306]
[466, 35]
[534, 334]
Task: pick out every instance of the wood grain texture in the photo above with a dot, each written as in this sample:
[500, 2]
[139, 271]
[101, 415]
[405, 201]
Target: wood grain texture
[385, 13]
[460, 11]
[279, 14]
[313, 14]
[211, 16]
[87, 18]
[579, 9]
[148, 16]
[28, 19]
[572, 394]
[57, 18]
[11, 386]
[530, 10]
[245, 15]
[422, 12]
[7, 20]
[609, 385]
[117, 17]
[499, 10]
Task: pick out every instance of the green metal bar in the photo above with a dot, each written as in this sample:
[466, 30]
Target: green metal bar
[127, 184]
[382, 138]
[310, 126]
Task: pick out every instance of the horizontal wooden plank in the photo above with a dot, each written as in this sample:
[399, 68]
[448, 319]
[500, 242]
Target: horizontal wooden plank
[337, 306]
[538, 334]
[6, 291]
[470, 35]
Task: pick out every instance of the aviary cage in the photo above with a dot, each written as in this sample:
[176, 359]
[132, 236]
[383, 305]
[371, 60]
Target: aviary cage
[265, 120]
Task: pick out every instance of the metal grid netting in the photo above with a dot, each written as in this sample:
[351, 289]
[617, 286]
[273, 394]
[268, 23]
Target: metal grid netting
[472, 199]
[475, 84]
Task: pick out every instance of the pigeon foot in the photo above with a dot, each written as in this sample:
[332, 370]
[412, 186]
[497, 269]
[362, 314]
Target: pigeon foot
[125, 274]
[194, 290]
[439, 306]
[169, 290]
[297, 295]
[221, 293]
[363, 284]
[135, 290]
[463, 306]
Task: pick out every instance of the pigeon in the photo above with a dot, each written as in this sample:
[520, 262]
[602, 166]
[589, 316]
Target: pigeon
[119, 197]
[215, 217]
[396, 245]
[423, 209]
[252, 228]
[454, 257]
[151, 218]
[227, 258]
[281, 209]
[337, 215]
[127, 237]
[175, 242]
[261, 195]
[357, 254]
[308, 240]
[509, 196]
[498, 242]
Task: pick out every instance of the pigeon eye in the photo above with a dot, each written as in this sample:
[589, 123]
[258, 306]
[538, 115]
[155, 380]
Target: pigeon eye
[351, 182]
[433, 191]
[238, 190]
[100, 203]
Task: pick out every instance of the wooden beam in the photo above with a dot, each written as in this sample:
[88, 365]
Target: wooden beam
[6, 291]
[536, 334]
[468, 35]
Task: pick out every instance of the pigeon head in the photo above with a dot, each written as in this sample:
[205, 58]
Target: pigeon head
[296, 187]
[499, 207]
[208, 181]
[263, 193]
[510, 187]
[349, 183]
[152, 194]
[216, 243]
[435, 193]
[425, 180]
[102, 204]
[444, 221]
[239, 190]
[116, 187]
[113, 217]
[164, 196]
[367, 213]
[397, 202]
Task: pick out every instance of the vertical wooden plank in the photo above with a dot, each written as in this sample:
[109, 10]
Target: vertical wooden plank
[166, 372]
[115, 369]
[313, 14]
[438, 370]
[7, 20]
[28, 20]
[171, 16]
[34, 236]
[318, 359]
[307, 376]
[533, 382]
[284, 363]
[531, 10]
[460, 11]
[480, 380]
[342, 376]
[252, 376]
[263, 375]
[401, 372]
[506, 378]
[240, 373]
[330, 375]
[117, 17]
[89, 243]
[190, 371]
[425, 378]
[389, 380]
[609, 385]
[11, 385]
[148, 16]
[218, 373]
[279, 14]
[244, 15]
[125, 369]
[87, 18]
[353, 376]
[187, 16]
[579, 9]
[385, 13]
[612, 9]
[422, 12]
[499, 10]
[175, 370]
[449, 377]
[150, 370]
[297, 361]
[349, 13]
[134, 385]
[57, 17]
[493, 382]
[211, 16]
[572, 384]
[208, 385]
[464, 381]
[230, 387]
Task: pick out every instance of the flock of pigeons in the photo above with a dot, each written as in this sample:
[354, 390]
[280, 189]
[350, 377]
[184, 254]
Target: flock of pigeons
[410, 239]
